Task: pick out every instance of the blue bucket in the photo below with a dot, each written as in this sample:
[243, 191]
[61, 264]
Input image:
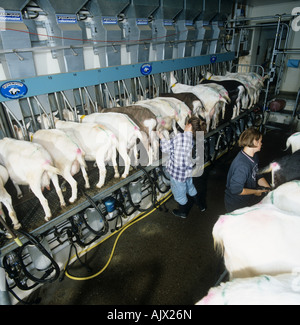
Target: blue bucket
[110, 204]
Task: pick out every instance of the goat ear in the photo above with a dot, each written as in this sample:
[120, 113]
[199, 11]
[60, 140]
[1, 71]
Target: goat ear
[55, 113]
[39, 119]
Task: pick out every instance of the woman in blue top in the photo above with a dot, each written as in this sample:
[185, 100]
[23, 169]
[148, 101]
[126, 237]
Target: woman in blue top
[242, 179]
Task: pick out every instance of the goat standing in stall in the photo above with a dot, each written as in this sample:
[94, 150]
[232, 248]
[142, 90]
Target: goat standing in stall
[5, 198]
[192, 101]
[67, 156]
[147, 123]
[213, 102]
[98, 143]
[30, 164]
[236, 91]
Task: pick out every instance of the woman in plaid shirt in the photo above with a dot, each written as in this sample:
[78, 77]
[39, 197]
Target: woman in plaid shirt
[180, 165]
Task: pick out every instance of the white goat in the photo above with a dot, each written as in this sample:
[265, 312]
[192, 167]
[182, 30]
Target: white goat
[126, 131]
[211, 98]
[281, 289]
[98, 143]
[166, 117]
[30, 164]
[5, 198]
[67, 156]
[294, 142]
[257, 240]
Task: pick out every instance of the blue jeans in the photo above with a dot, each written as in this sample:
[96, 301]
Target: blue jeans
[181, 189]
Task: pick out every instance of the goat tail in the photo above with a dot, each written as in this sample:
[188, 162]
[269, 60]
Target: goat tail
[223, 99]
[265, 170]
[288, 144]
[227, 98]
[217, 237]
[49, 168]
[80, 154]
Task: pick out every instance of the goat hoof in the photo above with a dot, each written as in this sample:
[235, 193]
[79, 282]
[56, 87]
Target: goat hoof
[17, 226]
[48, 218]
[8, 235]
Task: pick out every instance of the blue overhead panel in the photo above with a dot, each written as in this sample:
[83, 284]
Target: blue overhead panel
[207, 29]
[64, 81]
[226, 8]
[210, 9]
[64, 31]
[137, 29]
[14, 35]
[13, 4]
[186, 30]
[164, 30]
[106, 30]
[66, 7]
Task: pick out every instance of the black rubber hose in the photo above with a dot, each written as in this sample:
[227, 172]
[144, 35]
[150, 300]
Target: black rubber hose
[55, 267]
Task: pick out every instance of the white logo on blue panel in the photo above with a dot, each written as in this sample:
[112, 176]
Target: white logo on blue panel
[10, 16]
[213, 58]
[13, 89]
[66, 19]
[146, 69]
[109, 20]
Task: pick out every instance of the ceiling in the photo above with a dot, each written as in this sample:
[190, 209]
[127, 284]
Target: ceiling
[266, 2]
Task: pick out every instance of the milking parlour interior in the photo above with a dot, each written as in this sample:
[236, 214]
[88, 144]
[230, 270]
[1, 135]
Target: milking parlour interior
[89, 91]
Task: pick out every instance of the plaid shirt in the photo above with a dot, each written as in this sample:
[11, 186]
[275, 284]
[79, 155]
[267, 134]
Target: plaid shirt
[179, 149]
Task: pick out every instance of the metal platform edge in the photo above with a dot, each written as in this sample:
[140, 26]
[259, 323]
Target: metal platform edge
[79, 207]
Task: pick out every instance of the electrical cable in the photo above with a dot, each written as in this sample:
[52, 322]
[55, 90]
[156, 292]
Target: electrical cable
[87, 40]
[120, 231]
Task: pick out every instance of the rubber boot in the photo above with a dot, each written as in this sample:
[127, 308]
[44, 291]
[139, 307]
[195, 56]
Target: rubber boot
[182, 211]
[198, 202]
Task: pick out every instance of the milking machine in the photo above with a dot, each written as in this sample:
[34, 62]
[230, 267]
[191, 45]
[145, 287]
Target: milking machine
[42, 257]
[30, 265]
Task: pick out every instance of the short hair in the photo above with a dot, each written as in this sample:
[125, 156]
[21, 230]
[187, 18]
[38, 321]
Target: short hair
[197, 124]
[248, 136]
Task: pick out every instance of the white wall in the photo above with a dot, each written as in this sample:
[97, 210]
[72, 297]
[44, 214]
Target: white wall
[291, 76]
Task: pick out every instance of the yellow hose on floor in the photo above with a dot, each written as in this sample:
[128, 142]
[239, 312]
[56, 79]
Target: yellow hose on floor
[120, 231]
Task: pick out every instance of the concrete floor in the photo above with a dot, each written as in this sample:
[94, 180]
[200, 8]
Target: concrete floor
[161, 260]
